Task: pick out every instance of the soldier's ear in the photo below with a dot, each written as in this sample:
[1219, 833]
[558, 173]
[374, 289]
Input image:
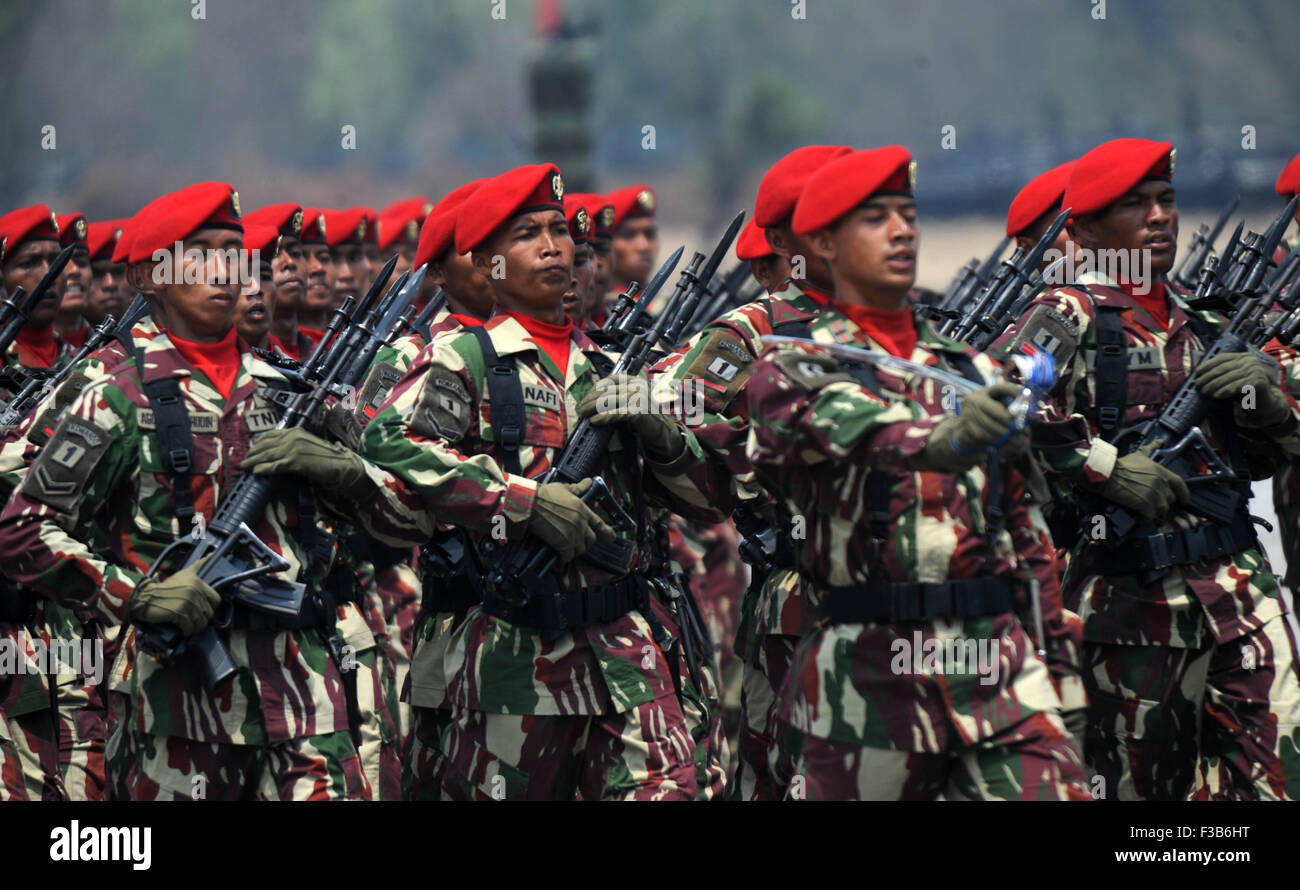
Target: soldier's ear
[1083, 230]
[437, 275]
[482, 261]
[822, 243]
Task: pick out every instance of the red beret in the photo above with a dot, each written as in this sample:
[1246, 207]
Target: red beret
[371, 233]
[580, 227]
[176, 216]
[1043, 193]
[400, 222]
[601, 211]
[1112, 169]
[783, 183]
[752, 243]
[313, 226]
[72, 228]
[498, 200]
[345, 226]
[1288, 181]
[102, 238]
[438, 232]
[631, 202]
[35, 223]
[285, 218]
[847, 181]
[261, 237]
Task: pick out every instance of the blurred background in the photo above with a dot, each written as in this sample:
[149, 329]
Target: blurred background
[145, 96]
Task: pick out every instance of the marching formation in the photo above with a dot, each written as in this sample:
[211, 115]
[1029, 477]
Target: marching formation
[479, 499]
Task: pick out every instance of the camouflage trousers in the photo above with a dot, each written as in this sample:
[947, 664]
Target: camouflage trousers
[82, 730]
[1217, 723]
[422, 760]
[29, 758]
[757, 748]
[380, 740]
[645, 753]
[152, 767]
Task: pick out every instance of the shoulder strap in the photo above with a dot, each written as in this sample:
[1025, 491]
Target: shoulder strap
[507, 401]
[965, 366]
[1111, 371]
[800, 329]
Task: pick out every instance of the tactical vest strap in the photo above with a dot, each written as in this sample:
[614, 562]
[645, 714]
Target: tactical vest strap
[175, 442]
[886, 602]
[507, 401]
[1111, 371]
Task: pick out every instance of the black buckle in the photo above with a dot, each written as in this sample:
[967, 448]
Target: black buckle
[1108, 415]
[510, 436]
[180, 460]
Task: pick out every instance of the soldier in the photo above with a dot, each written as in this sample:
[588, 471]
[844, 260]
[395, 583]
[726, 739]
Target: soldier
[369, 247]
[717, 362]
[109, 293]
[345, 232]
[468, 290]
[289, 277]
[318, 298]
[916, 533]
[541, 707]
[32, 235]
[398, 233]
[279, 727]
[1286, 483]
[255, 307]
[601, 212]
[768, 267]
[635, 237]
[578, 299]
[69, 323]
[1033, 209]
[1190, 672]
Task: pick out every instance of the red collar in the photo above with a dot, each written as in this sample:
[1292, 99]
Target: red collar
[553, 339]
[894, 329]
[219, 362]
[1153, 301]
[37, 347]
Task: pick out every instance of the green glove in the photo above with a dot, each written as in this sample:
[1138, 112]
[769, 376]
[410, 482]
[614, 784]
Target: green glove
[564, 522]
[959, 443]
[1227, 376]
[296, 451]
[1140, 484]
[630, 396]
[184, 600]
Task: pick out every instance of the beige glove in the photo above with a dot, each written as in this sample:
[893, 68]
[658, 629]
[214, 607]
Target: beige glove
[184, 600]
[564, 522]
[658, 432]
[1140, 484]
[959, 443]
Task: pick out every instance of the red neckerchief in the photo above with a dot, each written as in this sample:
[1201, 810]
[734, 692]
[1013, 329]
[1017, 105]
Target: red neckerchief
[466, 321]
[77, 338]
[1153, 302]
[893, 329]
[37, 347]
[277, 343]
[553, 339]
[312, 334]
[219, 362]
[822, 300]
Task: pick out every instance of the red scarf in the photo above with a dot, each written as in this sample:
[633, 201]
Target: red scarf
[219, 362]
[553, 339]
[77, 338]
[37, 347]
[822, 300]
[893, 329]
[277, 343]
[466, 321]
[312, 334]
[1153, 302]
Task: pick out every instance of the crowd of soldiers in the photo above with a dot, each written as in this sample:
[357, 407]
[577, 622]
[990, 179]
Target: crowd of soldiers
[449, 501]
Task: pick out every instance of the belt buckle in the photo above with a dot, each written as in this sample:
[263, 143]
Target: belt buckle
[1158, 552]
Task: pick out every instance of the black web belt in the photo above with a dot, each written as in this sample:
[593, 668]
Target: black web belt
[1180, 547]
[885, 602]
[573, 609]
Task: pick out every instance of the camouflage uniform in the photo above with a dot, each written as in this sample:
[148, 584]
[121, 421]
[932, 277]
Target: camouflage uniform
[854, 718]
[1191, 680]
[284, 712]
[592, 711]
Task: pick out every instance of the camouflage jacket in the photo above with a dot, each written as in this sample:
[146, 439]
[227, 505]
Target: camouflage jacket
[815, 438]
[101, 469]
[1222, 598]
[436, 433]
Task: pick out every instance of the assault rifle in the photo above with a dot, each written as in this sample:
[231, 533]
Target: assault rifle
[419, 321]
[1179, 442]
[525, 569]
[238, 562]
[698, 279]
[969, 280]
[1201, 248]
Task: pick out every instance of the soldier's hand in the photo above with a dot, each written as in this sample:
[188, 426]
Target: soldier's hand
[1248, 379]
[564, 522]
[1140, 484]
[627, 400]
[298, 452]
[959, 443]
[184, 600]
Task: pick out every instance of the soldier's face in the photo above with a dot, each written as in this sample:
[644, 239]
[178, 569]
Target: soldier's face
[468, 290]
[253, 309]
[873, 249]
[76, 280]
[604, 262]
[320, 278]
[636, 243]
[370, 256]
[349, 271]
[24, 267]
[203, 311]
[537, 256]
[770, 271]
[405, 257]
[289, 270]
[578, 300]
[108, 291]
[799, 256]
[1145, 219]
